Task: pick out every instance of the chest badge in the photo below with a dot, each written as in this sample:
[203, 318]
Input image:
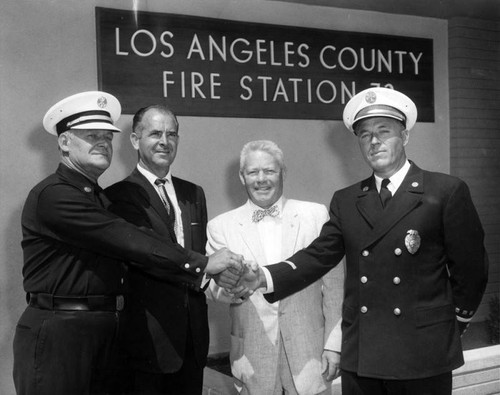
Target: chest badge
[412, 241]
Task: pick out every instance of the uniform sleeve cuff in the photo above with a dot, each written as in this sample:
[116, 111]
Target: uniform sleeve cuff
[464, 315]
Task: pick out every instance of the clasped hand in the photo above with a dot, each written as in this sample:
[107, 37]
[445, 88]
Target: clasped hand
[239, 277]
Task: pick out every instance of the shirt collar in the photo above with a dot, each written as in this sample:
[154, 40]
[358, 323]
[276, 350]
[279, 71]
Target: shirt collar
[395, 180]
[151, 177]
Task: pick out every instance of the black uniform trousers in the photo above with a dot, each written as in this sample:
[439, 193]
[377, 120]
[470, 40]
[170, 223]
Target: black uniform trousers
[83, 340]
[352, 384]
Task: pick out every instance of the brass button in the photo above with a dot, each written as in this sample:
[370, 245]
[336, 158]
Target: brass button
[120, 303]
[198, 270]
[364, 309]
[397, 311]
[364, 279]
[186, 266]
[365, 253]
[396, 280]
[398, 251]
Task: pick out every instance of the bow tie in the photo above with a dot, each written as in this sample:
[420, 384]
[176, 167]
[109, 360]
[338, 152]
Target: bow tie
[272, 211]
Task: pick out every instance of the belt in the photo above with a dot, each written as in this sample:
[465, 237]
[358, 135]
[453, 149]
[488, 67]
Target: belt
[75, 303]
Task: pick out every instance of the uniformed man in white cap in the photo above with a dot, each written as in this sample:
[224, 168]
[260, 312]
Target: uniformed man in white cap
[415, 259]
[74, 250]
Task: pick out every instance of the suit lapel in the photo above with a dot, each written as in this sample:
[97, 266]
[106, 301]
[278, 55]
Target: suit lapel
[154, 199]
[368, 202]
[290, 230]
[184, 205]
[151, 194]
[407, 198]
[250, 235]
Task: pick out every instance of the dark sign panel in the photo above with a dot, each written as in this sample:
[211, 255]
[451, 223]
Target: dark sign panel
[222, 68]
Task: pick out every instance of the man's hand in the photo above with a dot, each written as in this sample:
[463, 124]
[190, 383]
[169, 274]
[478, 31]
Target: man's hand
[224, 259]
[330, 364]
[253, 277]
[228, 278]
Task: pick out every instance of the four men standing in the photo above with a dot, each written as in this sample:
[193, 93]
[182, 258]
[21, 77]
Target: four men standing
[416, 267]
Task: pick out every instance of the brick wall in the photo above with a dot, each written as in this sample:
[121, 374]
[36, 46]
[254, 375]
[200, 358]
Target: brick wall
[474, 72]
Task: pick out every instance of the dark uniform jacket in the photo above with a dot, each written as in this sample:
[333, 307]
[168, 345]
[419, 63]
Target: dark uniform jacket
[162, 310]
[73, 246]
[410, 269]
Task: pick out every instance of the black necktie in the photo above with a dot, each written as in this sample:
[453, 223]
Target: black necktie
[99, 196]
[385, 194]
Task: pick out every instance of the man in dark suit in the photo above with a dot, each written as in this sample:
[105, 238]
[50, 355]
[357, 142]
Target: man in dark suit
[167, 337]
[415, 260]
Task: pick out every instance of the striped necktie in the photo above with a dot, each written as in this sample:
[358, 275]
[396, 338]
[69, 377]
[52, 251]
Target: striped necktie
[165, 199]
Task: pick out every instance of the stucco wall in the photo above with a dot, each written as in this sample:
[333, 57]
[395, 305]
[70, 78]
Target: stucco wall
[48, 51]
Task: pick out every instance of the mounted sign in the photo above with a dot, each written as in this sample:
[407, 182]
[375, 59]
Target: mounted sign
[221, 68]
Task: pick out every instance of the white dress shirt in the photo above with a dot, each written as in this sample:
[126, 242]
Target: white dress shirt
[169, 187]
[270, 231]
[395, 180]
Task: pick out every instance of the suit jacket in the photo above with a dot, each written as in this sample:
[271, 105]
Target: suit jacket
[410, 268]
[163, 311]
[306, 319]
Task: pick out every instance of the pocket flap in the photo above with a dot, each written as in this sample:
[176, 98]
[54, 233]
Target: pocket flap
[432, 315]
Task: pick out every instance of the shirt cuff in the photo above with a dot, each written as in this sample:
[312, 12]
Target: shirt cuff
[204, 281]
[269, 281]
[334, 341]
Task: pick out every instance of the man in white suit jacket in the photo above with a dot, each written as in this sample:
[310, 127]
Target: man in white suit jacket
[292, 345]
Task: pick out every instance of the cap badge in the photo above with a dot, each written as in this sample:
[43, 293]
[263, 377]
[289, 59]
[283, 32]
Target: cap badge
[412, 241]
[102, 102]
[370, 97]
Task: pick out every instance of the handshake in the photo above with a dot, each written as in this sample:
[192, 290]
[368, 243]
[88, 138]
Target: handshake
[232, 272]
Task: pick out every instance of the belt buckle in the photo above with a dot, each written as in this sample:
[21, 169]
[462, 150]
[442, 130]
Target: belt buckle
[120, 303]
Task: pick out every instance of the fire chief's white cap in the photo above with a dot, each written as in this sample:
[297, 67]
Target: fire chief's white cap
[380, 102]
[86, 110]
